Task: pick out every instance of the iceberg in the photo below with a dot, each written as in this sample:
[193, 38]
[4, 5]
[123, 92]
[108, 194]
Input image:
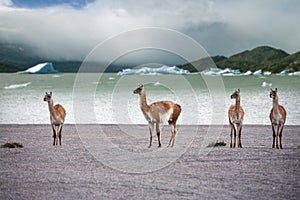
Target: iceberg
[223, 72]
[42, 68]
[230, 72]
[257, 72]
[211, 71]
[207, 72]
[154, 71]
[156, 83]
[294, 73]
[265, 84]
[14, 86]
[247, 73]
[267, 73]
[283, 73]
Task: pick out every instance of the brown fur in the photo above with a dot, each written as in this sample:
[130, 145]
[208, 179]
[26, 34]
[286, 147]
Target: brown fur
[281, 110]
[176, 113]
[277, 121]
[231, 112]
[59, 111]
[236, 120]
[57, 118]
[153, 113]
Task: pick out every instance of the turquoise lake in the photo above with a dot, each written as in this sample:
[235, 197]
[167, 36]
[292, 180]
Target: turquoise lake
[108, 98]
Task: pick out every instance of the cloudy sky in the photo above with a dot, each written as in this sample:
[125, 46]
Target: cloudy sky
[71, 29]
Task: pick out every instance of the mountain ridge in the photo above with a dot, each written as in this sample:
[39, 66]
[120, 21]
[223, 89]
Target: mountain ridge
[15, 58]
[265, 58]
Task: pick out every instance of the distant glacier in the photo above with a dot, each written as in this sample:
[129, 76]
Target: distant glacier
[154, 71]
[47, 68]
[209, 72]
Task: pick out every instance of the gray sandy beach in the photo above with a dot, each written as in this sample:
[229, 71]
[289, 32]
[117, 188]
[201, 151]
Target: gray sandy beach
[40, 170]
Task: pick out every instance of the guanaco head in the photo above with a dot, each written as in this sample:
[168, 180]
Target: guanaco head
[139, 89]
[47, 96]
[273, 93]
[236, 94]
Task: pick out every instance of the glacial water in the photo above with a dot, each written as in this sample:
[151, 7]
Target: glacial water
[108, 98]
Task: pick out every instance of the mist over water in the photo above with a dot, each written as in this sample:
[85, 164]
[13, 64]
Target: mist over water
[114, 102]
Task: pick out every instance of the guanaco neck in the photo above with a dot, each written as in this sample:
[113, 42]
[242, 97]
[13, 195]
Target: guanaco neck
[237, 106]
[143, 102]
[51, 108]
[275, 105]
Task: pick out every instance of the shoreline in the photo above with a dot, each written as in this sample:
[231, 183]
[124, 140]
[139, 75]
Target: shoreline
[40, 170]
[112, 124]
[252, 135]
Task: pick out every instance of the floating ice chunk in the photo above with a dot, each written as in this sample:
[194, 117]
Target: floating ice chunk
[42, 68]
[156, 83]
[176, 70]
[282, 73]
[230, 72]
[154, 71]
[211, 71]
[223, 72]
[247, 73]
[267, 73]
[258, 72]
[294, 73]
[265, 84]
[14, 86]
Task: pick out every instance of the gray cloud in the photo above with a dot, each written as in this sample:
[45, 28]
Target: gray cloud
[222, 27]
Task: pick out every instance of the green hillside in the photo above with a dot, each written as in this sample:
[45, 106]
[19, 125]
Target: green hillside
[290, 63]
[264, 57]
[202, 64]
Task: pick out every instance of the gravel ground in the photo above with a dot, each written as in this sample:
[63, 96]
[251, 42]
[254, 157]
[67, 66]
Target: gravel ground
[42, 171]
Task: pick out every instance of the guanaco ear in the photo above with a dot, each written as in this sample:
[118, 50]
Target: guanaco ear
[51, 93]
[238, 90]
[276, 89]
[141, 85]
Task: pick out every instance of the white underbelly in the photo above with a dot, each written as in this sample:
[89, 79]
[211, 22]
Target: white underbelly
[165, 117]
[57, 122]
